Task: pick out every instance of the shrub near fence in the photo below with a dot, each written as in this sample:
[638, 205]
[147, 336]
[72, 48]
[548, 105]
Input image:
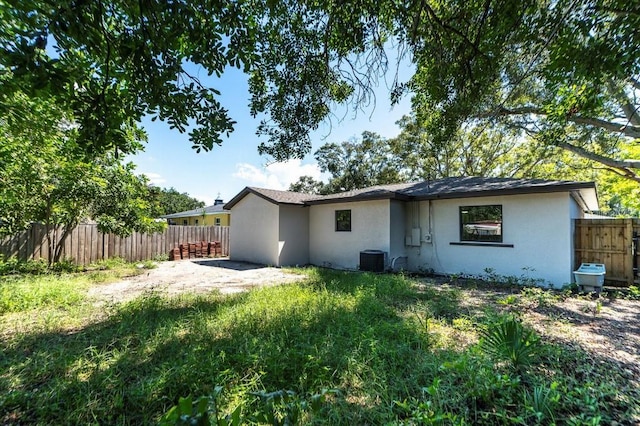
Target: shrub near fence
[86, 244]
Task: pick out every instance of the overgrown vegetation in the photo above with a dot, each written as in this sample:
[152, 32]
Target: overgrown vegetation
[33, 286]
[339, 348]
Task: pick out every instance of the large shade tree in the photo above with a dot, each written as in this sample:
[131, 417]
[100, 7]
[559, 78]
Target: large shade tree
[566, 76]
[563, 71]
[46, 177]
[415, 155]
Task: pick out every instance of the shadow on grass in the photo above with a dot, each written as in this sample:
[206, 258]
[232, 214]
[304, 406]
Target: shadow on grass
[335, 330]
[132, 367]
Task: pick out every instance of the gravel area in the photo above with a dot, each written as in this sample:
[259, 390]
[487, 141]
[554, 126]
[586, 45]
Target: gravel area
[195, 276]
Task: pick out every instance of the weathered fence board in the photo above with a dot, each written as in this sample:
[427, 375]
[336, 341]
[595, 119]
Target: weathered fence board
[85, 244]
[613, 242]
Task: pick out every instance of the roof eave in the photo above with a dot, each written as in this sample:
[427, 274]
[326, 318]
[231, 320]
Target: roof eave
[248, 190]
[587, 198]
[178, 215]
[239, 196]
[573, 186]
[355, 198]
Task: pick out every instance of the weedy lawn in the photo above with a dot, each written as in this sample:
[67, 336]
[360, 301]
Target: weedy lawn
[389, 351]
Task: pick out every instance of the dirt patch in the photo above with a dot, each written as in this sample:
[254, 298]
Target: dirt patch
[194, 276]
[607, 328]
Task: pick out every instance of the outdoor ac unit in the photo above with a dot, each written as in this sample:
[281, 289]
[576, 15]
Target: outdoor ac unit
[372, 260]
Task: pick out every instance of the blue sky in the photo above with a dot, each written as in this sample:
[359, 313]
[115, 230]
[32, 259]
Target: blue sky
[169, 161]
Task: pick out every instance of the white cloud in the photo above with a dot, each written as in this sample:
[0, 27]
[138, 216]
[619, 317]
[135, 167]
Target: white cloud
[155, 178]
[276, 175]
[207, 199]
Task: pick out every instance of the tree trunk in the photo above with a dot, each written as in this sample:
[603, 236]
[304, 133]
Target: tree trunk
[67, 229]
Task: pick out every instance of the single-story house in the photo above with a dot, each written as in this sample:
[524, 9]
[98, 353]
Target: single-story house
[468, 225]
[214, 215]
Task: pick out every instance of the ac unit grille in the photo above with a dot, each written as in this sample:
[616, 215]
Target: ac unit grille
[372, 260]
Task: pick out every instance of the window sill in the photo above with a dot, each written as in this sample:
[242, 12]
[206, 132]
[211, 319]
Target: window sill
[479, 244]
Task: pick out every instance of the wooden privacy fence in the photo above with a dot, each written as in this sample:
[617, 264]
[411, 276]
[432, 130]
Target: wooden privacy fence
[86, 244]
[613, 242]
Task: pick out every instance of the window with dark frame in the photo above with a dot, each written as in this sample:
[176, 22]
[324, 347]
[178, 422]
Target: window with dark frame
[481, 223]
[343, 220]
[185, 222]
[217, 221]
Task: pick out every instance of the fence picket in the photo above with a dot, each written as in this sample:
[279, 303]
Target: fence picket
[86, 245]
[609, 241]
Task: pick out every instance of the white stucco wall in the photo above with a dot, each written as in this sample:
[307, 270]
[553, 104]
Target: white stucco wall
[293, 242]
[538, 225]
[370, 225]
[397, 227]
[576, 213]
[254, 231]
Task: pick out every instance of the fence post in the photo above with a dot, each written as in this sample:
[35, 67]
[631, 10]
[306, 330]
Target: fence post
[628, 236]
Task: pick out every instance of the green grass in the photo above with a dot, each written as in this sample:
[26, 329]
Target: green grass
[41, 291]
[395, 354]
[28, 286]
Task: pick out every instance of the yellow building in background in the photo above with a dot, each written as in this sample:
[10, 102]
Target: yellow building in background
[214, 215]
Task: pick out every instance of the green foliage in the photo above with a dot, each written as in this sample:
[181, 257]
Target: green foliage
[119, 203]
[352, 332]
[47, 178]
[542, 402]
[307, 185]
[538, 297]
[167, 201]
[66, 265]
[508, 340]
[534, 73]
[285, 407]
[102, 63]
[352, 165]
[105, 67]
[148, 264]
[634, 293]
[33, 285]
[43, 291]
[430, 410]
[201, 412]
[415, 155]
[279, 408]
[472, 151]
[561, 71]
[14, 266]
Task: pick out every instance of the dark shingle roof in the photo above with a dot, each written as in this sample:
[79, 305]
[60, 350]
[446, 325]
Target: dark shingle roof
[283, 197]
[451, 187]
[272, 195]
[217, 208]
[454, 187]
